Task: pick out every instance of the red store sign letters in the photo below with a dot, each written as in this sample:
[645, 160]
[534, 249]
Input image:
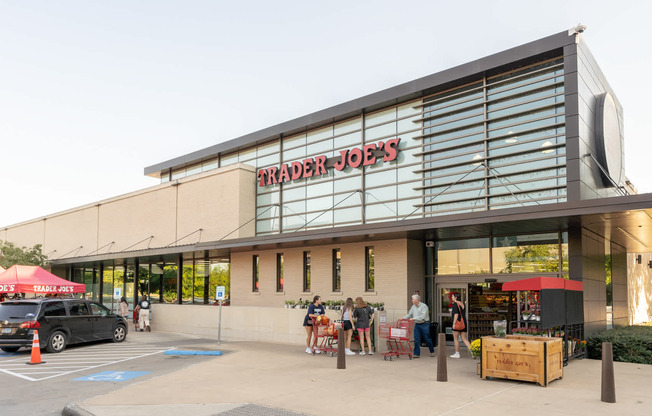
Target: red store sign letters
[355, 158]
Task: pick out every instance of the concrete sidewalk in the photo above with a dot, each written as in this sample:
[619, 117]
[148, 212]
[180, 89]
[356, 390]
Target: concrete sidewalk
[286, 380]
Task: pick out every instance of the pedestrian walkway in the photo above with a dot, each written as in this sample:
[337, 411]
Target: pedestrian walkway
[284, 378]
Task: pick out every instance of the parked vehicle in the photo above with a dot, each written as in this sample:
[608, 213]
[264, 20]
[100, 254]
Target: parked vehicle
[60, 322]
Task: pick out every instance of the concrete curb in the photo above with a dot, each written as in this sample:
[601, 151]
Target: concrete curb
[72, 409]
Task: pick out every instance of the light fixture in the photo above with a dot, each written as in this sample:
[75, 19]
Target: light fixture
[477, 157]
[511, 139]
[638, 259]
[547, 143]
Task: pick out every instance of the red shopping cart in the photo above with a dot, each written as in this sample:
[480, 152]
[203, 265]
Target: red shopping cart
[398, 338]
[325, 337]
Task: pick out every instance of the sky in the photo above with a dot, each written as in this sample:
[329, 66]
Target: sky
[92, 92]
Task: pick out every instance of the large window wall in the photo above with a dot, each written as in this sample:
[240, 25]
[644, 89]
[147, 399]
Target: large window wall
[497, 142]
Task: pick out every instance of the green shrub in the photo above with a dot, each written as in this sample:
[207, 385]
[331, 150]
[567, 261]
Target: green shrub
[631, 344]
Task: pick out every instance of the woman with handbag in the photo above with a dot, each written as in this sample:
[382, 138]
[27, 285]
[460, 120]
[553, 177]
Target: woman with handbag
[459, 324]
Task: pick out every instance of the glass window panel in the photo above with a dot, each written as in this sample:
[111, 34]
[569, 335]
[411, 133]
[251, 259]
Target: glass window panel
[524, 186]
[318, 219]
[528, 197]
[268, 149]
[516, 138]
[318, 135]
[169, 283]
[267, 199]
[347, 126]
[350, 199]
[458, 123]
[193, 170]
[524, 157]
[407, 208]
[460, 206]
[457, 159]
[520, 147]
[408, 174]
[229, 159]
[407, 124]
[347, 184]
[178, 174]
[524, 107]
[455, 169]
[294, 154]
[408, 157]
[294, 194]
[319, 204]
[528, 71]
[380, 117]
[293, 221]
[407, 109]
[348, 140]
[380, 194]
[525, 126]
[457, 151]
[470, 103]
[294, 141]
[456, 95]
[347, 215]
[537, 98]
[380, 131]
[320, 147]
[463, 256]
[298, 207]
[375, 211]
[406, 190]
[513, 91]
[380, 178]
[526, 254]
[453, 116]
[209, 165]
[247, 155]
[454, 178]
[457, 134]
[267, 212]
[529, 176]
[267, 226]
[522, 118]
[319, 189]
[446, 196]
[267, 160]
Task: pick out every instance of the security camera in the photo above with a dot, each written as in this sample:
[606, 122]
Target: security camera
[579, 28]
[430, 243]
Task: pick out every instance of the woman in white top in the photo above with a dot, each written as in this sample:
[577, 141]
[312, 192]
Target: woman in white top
[123, 309]
[347, 317]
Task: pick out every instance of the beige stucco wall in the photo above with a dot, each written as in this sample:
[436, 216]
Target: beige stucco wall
[218, 202]
[639, 287]
[393, 265]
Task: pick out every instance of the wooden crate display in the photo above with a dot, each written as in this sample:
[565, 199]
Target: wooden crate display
[522, 357]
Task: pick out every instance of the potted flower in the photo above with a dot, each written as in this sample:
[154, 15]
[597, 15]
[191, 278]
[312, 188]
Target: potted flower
[476, 348]
[290, 303]
[526, 315]
[537, 315]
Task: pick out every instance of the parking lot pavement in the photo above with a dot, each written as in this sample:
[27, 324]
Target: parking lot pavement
[74, 359]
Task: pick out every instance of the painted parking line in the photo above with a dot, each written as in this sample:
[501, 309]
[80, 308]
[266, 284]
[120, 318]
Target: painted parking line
[74, 360]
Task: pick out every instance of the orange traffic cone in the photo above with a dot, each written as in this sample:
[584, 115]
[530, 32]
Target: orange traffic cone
[36, 351]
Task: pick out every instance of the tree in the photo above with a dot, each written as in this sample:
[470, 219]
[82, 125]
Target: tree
[538, 258]
[10, 255]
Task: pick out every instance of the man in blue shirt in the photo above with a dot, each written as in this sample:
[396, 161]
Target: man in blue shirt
[419, 314]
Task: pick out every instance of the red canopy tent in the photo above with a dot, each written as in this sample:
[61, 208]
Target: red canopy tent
[33, 279]
[2, 269]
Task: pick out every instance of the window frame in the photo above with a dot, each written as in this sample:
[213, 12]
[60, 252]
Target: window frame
[337, 270]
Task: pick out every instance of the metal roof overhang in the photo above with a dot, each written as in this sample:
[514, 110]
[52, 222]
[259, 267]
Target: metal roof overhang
[625, 220]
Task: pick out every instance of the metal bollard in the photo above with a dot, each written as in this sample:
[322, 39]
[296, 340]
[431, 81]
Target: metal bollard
[341, 357]
[608, 394]
[442, 372]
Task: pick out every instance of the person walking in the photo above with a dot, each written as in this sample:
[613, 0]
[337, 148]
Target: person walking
[315, 309]
[143, 314]
[419, 314]
[459, 322]
[363, 315]
[349, 326]
[123, 308]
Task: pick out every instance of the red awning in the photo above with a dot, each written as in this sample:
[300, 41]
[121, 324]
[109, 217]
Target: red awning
[33, 279]
[536, 283]
[573, 285]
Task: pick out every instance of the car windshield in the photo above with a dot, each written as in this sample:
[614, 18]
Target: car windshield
[17, 310]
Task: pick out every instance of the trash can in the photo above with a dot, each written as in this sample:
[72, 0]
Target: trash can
[434, 332]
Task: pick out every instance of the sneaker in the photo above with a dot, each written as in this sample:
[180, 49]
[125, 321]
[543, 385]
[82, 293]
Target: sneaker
[371, 352]
[149, 329]
[432, 354]
[308, 350]
[348, 352]
[456, 355]
[416, 356]
[317, 351]
[362, 353]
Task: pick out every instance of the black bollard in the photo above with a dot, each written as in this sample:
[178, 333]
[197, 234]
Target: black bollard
[608, 383]
[341, 357]
[442, 372]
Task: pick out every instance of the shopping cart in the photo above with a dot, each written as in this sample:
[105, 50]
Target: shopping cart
[398, 338]
[325, 337]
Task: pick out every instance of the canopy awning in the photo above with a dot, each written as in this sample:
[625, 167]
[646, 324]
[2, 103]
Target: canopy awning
[538, 283]
[34, 279]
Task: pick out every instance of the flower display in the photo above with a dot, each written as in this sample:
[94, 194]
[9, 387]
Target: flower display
[526, 331]
[476, 348]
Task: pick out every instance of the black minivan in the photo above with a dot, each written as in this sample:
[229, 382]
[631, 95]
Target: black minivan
[60, 322]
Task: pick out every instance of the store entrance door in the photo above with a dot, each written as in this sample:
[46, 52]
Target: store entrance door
[445, 304]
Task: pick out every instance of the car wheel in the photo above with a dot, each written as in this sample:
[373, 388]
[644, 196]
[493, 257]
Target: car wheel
[57, 342]
[9, 349]
[119, 334]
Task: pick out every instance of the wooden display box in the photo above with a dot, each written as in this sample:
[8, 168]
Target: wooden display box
[522, 357]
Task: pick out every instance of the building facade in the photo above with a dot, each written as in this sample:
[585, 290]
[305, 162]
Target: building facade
[504, 168]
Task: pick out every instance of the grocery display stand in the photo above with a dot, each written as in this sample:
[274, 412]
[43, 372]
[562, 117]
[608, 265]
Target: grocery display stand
[555, 306]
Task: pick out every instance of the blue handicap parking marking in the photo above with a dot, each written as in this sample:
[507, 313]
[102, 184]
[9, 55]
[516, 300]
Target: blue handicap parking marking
[113, 376]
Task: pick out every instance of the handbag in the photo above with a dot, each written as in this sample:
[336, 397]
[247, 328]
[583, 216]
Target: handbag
[459, 324]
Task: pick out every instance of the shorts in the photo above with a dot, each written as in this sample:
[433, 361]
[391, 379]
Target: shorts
[363, 329]
[348, 325]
